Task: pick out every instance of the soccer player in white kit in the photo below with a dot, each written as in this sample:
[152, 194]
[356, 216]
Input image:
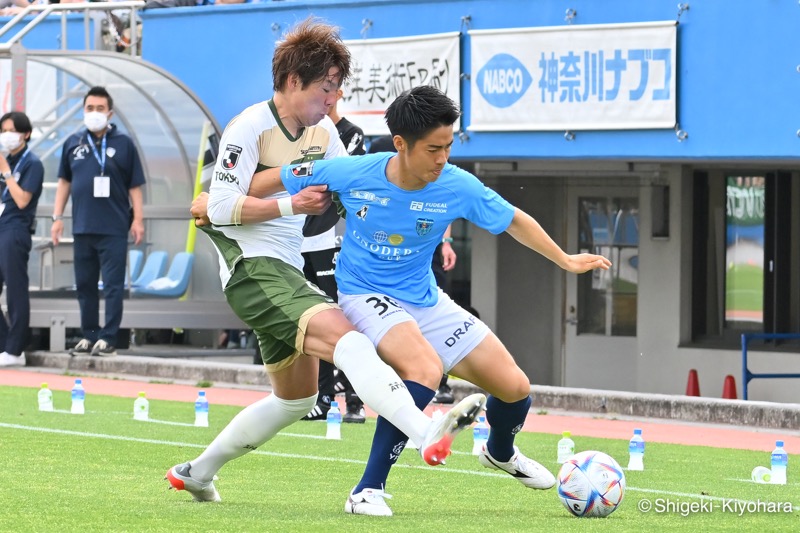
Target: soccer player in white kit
[398, 207]
[258, 243]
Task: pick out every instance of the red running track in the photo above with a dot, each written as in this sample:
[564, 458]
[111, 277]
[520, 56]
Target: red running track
[585, 425]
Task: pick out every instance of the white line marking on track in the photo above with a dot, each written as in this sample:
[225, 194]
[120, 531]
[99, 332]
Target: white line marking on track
[339, 460]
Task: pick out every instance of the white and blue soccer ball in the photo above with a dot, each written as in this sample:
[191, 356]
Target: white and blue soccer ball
[591, 484]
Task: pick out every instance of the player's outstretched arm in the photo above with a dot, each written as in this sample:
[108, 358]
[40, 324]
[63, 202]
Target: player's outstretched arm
[526, 230]
[266, 183]
[313, 200]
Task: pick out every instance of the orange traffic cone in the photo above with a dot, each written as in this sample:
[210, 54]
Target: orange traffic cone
[693, 385]
[729, 388]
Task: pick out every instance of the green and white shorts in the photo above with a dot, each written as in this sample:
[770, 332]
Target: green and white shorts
[277, 302]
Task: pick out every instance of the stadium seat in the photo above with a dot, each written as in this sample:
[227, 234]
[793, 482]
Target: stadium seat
[154, 267]
[174, 284]
[135, 260]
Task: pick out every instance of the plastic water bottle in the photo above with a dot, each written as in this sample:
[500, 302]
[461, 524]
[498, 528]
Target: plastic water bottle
[78, 397]
[141, 408]
[480, 434]
[334, 420]
[779, 462]
[45, 398]
[636, 451]
[201, 410]
[566, 447]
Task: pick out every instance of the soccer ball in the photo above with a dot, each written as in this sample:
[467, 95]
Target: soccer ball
[591, 484]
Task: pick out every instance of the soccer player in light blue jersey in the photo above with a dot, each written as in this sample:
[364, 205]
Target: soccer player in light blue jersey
[398, 207]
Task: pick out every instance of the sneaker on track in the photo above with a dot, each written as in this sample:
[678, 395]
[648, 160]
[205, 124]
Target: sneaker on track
[525, 470]
[370, 502]
[84, 347]
[103, 349]
[7, 360]
[180, 479]
[436, 446]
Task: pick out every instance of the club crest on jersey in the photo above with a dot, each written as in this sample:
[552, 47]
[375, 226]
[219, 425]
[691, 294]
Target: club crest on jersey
[303, 170]
[230, 157]
[424, 226]
[362, 213]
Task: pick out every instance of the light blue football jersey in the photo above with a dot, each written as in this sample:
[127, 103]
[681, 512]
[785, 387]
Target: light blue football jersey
[391, 233]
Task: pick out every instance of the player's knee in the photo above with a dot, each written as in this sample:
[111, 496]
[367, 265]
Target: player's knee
[517, 388]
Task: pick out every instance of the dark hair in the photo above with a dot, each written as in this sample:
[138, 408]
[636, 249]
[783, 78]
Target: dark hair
[418, 111]
[309, 50]
[101, 92]
[22, 124]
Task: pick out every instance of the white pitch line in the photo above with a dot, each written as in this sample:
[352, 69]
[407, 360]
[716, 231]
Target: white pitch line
[348, 461]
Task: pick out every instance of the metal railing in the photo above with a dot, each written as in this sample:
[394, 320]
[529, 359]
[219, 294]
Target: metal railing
[45, 10]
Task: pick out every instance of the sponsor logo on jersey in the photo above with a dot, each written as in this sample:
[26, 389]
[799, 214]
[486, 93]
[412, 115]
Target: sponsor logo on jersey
[382, 251]
[395, 239]
[435, 207]
[362, 213]
[380, 237]
[424, 226]
[369, 197]
[311, 150]
[226, 177]
[460, 332]
[230, 157]
[303, 170]
[416, 206]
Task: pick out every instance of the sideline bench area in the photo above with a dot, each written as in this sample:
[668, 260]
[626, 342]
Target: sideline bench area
[58, 314]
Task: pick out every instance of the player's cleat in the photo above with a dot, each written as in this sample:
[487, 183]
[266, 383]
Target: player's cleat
[354, 415]
[319, 412]
[444, 395]
[370, 502]
[526, 470]
[436, 446]
[180, 479]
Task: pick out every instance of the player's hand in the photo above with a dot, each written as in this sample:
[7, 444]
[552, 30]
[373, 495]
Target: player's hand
[313, 200]
[199, 210]
[448, 257]
[580, 263]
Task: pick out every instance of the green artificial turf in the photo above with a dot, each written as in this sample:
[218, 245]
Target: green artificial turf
[103, 471]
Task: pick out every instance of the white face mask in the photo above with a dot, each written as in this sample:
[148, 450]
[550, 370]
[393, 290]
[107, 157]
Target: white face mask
[95, 121]
[10, 140]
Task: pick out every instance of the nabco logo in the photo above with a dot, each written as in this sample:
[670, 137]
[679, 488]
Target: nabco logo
[503, 80]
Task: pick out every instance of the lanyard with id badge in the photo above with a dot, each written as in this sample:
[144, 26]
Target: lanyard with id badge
[6, 193]
[102, 183]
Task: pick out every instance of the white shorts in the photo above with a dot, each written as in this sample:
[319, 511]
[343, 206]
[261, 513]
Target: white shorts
[452, 331]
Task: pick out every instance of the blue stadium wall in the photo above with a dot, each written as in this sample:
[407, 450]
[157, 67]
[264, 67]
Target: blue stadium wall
[738, 78]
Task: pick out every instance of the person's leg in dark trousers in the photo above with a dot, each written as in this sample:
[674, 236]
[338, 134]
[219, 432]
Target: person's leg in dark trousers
[15, 247]
[113, 253]
[87, 274]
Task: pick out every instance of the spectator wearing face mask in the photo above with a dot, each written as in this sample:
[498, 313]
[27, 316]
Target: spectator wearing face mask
[21, 178]
[101, 169]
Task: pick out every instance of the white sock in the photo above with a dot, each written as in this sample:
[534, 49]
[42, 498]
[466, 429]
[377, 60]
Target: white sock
[378, 385]
[252, 427]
